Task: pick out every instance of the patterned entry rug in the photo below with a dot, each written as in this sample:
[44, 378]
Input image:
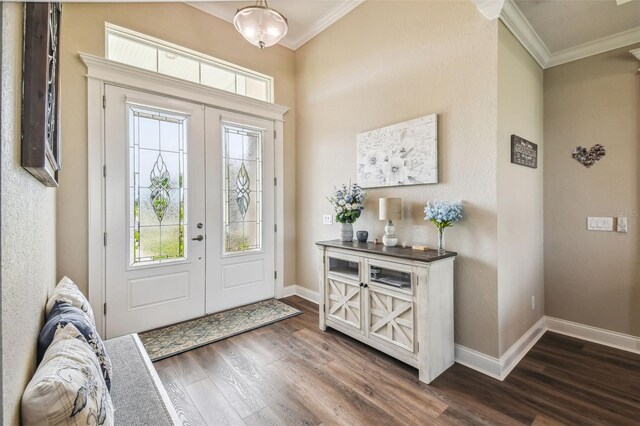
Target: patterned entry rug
[174, 339]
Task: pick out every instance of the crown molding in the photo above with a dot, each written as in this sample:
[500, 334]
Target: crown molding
[513, 19]
[490, 9]
[601, 45]
[316, 28]
[323, 23]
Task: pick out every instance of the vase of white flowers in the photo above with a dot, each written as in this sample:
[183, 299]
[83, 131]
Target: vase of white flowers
[347, 204]
[443, 214]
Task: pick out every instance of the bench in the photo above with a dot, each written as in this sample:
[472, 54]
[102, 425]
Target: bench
[138, 396]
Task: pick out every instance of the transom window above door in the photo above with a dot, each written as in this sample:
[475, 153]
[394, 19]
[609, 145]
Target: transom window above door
[142, 51]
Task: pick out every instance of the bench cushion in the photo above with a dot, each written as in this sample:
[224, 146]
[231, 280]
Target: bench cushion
[139, 398]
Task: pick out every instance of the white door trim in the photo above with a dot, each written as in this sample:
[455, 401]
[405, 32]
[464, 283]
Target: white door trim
[102, 71]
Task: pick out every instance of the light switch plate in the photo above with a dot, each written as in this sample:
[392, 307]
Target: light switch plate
[622, 224]
[600, 224]
[327, 219]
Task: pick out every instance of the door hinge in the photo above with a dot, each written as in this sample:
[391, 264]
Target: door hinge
[275, 274]
[417, 346]
[105, 308]
[104, 170]
[104, 236]
[275, 227]
[275, 134]
[275, 181]
[104, 101]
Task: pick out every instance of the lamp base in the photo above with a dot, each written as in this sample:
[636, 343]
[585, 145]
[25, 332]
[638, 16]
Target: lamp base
[390, 239]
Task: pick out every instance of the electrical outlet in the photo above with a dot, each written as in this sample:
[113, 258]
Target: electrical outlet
[533, 303]
[622, 224]
[327, 219]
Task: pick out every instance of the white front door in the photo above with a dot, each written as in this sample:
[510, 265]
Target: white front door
[155, 211]
[190, 210]
[240, 209]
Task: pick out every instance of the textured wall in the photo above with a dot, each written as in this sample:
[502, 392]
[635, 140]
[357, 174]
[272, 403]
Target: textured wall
[385, 63]
[28, 232]
[592, 277]
[520, 195]
[83, 31]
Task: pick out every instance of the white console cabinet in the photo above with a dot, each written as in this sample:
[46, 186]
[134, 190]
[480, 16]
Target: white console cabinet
[397, 300]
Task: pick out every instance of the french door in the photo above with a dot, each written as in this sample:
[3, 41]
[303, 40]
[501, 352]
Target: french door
[240, 202]
[188, 210]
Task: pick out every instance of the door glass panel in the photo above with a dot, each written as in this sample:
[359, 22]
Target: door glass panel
[157, 186]
[242, 188]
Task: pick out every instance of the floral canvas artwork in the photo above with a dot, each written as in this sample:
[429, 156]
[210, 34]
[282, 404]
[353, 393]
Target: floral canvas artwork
[401, 154]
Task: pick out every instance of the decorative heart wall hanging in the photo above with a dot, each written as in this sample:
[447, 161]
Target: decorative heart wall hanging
[588, 158]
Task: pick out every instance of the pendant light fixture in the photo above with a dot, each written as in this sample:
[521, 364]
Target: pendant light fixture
[260, 25]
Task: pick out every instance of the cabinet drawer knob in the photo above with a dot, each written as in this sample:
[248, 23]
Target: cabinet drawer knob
[361, 284]
[366, 285]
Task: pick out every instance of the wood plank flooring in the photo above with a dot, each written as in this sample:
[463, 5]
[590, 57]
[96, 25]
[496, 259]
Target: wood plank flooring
[291, 373]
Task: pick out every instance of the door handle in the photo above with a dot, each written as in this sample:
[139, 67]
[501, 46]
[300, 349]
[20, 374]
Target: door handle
[198, 238]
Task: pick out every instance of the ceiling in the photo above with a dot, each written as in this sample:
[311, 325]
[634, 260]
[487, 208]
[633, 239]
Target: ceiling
[307, 18]
[565, 24]
[560, 31]
[553, 31]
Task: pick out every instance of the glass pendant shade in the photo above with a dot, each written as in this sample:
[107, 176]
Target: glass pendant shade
[261, 25]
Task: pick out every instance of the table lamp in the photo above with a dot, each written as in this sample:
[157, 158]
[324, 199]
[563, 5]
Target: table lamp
[390, 209]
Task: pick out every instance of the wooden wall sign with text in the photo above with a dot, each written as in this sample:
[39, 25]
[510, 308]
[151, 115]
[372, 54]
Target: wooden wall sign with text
[523, 152]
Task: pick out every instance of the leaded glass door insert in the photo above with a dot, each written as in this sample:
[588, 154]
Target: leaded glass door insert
[242, 188]
[157, 185]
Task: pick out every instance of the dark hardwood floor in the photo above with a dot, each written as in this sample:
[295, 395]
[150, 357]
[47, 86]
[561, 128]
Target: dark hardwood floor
[292, 373]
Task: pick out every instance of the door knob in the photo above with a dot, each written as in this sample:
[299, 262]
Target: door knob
[198, 238]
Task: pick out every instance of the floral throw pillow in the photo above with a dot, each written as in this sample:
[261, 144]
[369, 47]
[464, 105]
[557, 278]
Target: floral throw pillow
[62, 314]
[68, 291]
[68, 387]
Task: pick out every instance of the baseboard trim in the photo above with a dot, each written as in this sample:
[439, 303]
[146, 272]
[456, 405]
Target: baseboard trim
[305, 293]
[625, 342]
[298, 290]
[478, 361]
[518, 350]
[499, 368]
[287, 291]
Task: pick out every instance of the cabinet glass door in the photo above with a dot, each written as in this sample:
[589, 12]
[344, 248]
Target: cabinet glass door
[346, 267]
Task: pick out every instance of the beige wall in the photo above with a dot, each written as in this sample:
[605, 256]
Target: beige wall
[520, 197]
[28, 232]
[83, 31]
[387, 62]
[592, 277]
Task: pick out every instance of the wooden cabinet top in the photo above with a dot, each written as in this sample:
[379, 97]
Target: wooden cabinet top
[381, 249]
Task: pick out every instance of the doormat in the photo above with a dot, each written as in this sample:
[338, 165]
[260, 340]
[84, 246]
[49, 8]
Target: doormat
[174, 339]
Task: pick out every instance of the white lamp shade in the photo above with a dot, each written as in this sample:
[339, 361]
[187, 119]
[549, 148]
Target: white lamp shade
[261, 25]
[390, 208]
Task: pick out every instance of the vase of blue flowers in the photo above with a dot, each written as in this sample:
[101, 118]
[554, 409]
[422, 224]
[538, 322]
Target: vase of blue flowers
[443, 214]
[347, 205]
